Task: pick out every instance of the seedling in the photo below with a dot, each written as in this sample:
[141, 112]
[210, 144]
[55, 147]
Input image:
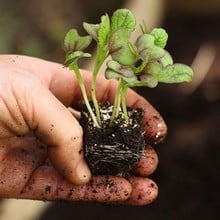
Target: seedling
[144, 62]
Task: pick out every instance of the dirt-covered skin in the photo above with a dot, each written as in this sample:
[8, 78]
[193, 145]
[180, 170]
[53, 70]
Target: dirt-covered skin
[147, 164]
[29, 138]
[27, 173]
[146, 191]
[47, 184]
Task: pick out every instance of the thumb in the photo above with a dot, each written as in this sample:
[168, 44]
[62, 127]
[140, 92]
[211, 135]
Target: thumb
[56, 126]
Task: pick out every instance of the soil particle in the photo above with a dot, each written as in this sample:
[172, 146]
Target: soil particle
[51, 127]
[156, 118]
[70, 193]
[109, 182]
[91, 183]
[73, 138]
[152, 185]
[23, 151]
[94, 191]
[110, 185]
[126, 193]
[20, 135]
[139, 197]
[41, 147]
[47, 189]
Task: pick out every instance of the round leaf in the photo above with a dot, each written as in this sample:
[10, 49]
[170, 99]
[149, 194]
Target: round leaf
[143, 43]
[119, 47]
[175, 73]
[123, 70]
[74, 42]
[149, 79]
[111, 74]
[72, 57]
[166, 59]
[123, 18]
[92, 30]
[160, 36]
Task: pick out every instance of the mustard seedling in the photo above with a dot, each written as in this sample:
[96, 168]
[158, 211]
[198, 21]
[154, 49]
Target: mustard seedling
[144, 62]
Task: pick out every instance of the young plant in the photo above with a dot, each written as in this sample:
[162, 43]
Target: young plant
[144, 62]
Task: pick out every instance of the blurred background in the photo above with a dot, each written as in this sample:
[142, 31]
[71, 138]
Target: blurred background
[188, 173]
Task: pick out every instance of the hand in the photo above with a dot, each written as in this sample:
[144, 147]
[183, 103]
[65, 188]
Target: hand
[41, 141]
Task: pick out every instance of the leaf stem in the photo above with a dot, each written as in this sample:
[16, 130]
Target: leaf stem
[93, 92]
[117, 103]
[123, 102]
[100, 57]
[75, 68]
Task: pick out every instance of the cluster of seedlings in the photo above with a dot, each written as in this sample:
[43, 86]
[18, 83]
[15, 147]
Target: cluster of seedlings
[113, 134]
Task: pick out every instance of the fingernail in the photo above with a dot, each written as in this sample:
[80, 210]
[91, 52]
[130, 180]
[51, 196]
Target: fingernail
[83, 172]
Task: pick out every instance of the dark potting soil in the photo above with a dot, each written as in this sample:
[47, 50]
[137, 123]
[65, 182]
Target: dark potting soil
[113, 150]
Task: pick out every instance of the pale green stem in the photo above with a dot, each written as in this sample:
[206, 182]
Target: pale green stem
[123, 102]
[117, 103]
[75, 68]
[100, 57]
[93, 92]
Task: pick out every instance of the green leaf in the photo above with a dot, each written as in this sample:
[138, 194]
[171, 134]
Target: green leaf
[116, 70]
[120, 49]
[166, 59]
[104, 32]
[122, 70]
[153, 68]
[123, 18]
[111, 74]
[175, 73]
[155, 53]
[72, 57]
[148, 50]
[143, 43]
[92, 30]
[160, 36]
[102, 43]
[74, 42]
[130, 80]
[149, 79]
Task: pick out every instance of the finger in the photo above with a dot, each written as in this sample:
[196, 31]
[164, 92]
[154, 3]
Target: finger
[63, 135]
[47, 184]
[144, 191]
[147, 164]
[154, 126]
